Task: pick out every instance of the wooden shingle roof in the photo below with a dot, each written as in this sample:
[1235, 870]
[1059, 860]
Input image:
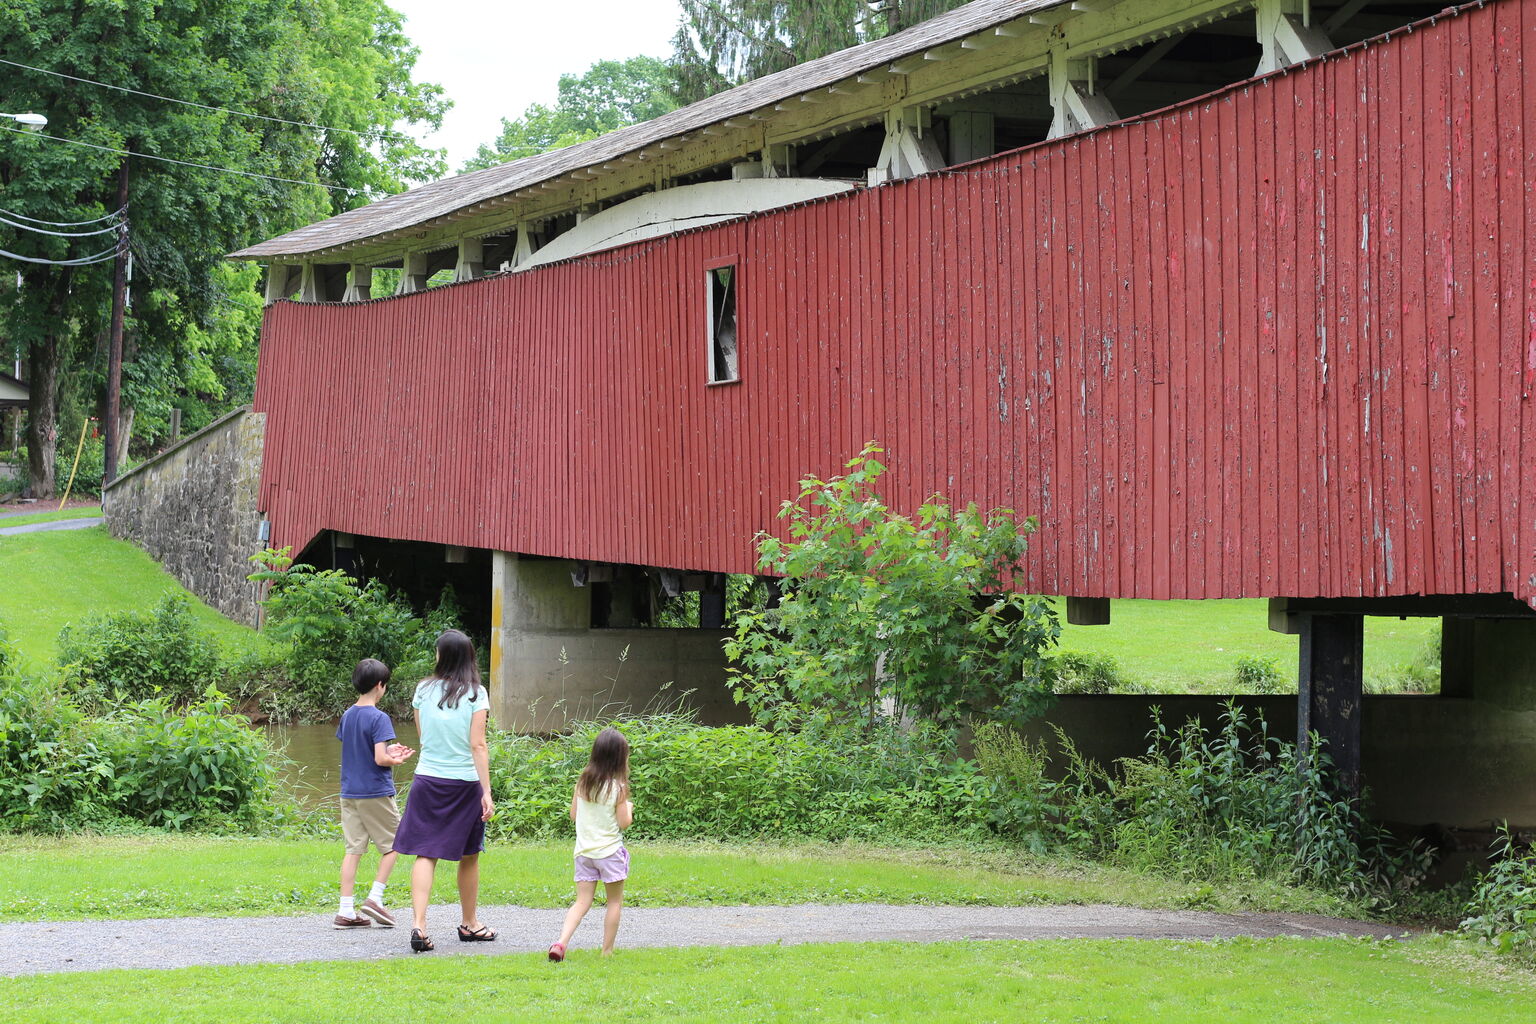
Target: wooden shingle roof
[442, 198]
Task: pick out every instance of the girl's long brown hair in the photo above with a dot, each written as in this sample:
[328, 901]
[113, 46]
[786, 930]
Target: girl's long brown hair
[457, 668]
[608, 764]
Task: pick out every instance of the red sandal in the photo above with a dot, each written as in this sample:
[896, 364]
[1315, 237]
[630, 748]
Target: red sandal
[557, 952]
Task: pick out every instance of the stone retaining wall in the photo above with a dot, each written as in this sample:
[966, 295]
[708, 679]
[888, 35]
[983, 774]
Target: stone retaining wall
[193, 508]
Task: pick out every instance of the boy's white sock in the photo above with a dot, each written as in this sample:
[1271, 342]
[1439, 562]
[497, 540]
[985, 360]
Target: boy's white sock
[377, 893]
[348, 907]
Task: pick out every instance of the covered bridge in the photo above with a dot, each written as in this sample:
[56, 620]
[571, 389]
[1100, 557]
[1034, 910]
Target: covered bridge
[1239, 298]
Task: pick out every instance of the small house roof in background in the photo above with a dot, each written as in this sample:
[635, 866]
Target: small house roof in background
[12, 392]
[447, 196]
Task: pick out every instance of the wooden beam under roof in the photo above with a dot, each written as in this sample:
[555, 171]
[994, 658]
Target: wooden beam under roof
[942, 68]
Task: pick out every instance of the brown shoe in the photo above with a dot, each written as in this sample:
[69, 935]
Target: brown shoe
[374, 909]
[344, 923]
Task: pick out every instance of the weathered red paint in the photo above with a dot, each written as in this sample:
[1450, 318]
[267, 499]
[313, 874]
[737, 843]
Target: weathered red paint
[1278, 341]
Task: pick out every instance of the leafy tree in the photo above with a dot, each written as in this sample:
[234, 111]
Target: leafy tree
[723, 43]
[610, 94]
[342, 63]
[884, 615]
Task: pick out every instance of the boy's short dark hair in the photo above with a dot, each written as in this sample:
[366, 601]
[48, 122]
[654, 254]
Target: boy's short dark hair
[370, 672]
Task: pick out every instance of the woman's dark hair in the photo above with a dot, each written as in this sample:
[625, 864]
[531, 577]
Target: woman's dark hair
[457, 668]
[370, 672]
[609, 763]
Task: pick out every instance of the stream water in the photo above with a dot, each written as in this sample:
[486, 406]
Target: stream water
[314, 753]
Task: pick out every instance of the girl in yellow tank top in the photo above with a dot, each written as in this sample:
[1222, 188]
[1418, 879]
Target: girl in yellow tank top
[601, 809]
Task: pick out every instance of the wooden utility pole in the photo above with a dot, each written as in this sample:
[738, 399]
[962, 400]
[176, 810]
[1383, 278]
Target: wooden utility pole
[115, 348]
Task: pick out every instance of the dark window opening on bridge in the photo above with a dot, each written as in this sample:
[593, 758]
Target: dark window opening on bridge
[1350, 21]
[1168, 71]
[849, 155]
[997, 121]
[724, 365]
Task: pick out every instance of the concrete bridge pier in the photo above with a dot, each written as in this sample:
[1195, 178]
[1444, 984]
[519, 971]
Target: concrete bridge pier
[569, 642]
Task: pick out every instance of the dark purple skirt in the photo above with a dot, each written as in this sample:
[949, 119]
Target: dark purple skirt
[441, 819]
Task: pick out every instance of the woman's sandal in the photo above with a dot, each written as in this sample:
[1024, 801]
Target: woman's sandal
[419, 941]
[485, 933]
[557, 952]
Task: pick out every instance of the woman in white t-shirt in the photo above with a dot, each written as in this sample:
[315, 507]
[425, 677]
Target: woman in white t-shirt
[450, 797]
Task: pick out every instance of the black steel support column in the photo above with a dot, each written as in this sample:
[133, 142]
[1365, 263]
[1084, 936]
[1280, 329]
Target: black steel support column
[712, 602]
[1328, 698]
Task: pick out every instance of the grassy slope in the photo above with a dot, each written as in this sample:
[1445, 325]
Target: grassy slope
[49, 878]
[89, 512]
[1191, 646]
[1234, 982]
[52, 579]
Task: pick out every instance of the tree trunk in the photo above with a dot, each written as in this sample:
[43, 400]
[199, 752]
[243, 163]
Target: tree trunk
[124, 434]
[42, 414]
[45, 359]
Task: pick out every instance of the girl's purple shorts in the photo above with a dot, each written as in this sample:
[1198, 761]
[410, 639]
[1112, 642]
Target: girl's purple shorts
[612, 868]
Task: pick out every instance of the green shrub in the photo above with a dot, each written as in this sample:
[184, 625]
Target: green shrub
[202, 766]
[48, 768]
[1502, 909]
[7, 653]
[326, 622]
[143, 762]
[136, 655]
[1252, 674]
[693, 781]
[884, 615]
[1082, 672]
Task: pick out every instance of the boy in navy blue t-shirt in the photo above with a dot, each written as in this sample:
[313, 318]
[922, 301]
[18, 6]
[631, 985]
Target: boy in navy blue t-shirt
[368, 811]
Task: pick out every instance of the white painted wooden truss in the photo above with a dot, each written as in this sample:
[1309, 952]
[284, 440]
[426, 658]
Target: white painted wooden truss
[359, 283]
[1076, 104]
[909, 148]
[1287, 34]
[413, 273]
[471, 261]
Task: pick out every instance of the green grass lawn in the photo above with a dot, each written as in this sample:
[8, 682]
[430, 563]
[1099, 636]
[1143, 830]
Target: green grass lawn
[53, 579]
[56, 515]
[1192, 646]
[53, 878]
[1231, 982]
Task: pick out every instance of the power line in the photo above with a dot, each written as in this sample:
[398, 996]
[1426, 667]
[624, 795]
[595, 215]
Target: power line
[84, 261]
[204, 106]
[66, 223]
[57, 234]
[183, 163]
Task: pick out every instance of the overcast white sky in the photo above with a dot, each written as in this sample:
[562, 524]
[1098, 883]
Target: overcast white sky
[494, 58]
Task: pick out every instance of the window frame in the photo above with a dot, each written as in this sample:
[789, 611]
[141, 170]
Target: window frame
[725, 261]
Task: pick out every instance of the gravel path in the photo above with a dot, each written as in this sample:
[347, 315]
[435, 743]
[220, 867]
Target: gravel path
[57, 524]
[52, 946]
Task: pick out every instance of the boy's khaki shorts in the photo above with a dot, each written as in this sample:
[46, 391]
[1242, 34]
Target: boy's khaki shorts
[374, 818]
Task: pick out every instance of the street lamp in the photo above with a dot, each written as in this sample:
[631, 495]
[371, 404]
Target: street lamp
[31, 122]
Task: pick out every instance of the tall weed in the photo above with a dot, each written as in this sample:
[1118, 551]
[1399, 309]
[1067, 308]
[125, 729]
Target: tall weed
[1502, 909]
[1226, 804]
[694, 781]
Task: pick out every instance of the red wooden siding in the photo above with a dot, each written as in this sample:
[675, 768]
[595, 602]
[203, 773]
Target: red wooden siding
[1279, 341]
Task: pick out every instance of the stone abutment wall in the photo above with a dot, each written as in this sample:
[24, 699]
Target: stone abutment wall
[193, 508]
